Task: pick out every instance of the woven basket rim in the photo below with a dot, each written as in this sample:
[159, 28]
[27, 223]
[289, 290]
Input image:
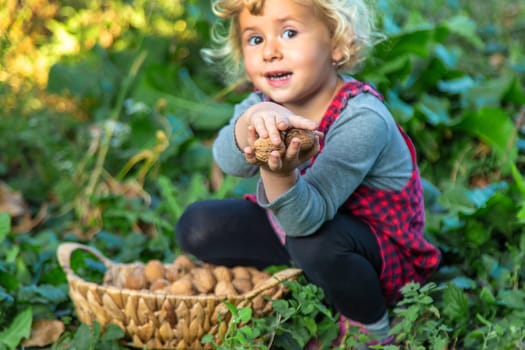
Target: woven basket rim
[65, 250]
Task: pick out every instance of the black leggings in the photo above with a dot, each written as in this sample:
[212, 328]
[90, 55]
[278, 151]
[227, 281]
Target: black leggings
[342, 257]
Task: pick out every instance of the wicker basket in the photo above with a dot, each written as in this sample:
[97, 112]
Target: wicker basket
[159, 320]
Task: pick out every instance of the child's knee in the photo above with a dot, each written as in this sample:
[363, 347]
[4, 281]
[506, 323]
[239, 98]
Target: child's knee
[309, 253]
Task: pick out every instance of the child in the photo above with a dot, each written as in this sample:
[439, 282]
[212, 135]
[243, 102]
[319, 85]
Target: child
[349, 212]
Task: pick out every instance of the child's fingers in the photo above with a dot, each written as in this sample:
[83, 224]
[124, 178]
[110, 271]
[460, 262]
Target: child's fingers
[293, 149]
[275, 162]
[296, 121]
[319, 134]
[252, 135]
[266, 125]
[249, 155]
[259, 125]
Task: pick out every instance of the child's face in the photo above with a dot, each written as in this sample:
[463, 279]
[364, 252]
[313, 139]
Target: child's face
[288, 53]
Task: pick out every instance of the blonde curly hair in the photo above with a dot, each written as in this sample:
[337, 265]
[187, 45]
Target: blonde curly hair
[351, 24]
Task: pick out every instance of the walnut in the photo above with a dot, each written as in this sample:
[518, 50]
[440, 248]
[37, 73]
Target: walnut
[136, 279]
[260, 277]
[203, 280]
[183, 286]
[242, 285]
[225, 288]
[173, 272]
[222, 273]
[264, 146]
[159, 285]
[241, 272]
[307, 138]
[183, 263]
[153, 270]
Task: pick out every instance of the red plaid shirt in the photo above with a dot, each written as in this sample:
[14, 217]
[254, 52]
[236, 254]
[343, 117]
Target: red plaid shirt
[396, 217]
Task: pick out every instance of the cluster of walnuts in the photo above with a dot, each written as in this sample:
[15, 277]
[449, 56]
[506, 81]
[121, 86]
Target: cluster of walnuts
[184, 277]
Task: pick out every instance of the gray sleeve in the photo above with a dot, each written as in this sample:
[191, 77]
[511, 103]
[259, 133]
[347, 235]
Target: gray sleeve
[226, 152]
[356, 146]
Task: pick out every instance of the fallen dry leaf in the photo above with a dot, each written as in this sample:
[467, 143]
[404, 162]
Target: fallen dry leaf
[44, 332]
[12, 202]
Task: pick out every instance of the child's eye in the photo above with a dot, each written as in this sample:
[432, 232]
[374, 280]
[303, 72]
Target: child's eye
[289, 33]
[255, 40]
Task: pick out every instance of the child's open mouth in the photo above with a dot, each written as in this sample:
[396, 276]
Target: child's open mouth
[278, 76]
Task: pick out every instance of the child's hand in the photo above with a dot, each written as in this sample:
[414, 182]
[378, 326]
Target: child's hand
[268, 120]
[287, 156]
[293, 156]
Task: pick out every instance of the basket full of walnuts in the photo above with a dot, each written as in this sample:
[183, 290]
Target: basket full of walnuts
[169, 305]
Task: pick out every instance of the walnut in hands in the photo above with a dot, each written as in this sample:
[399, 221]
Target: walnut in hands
[264, 146]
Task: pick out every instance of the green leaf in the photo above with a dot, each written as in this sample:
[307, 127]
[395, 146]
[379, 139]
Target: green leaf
[182, 98]
[466, 28]
[207, 338]
[5, 225]
[514, 299]
[477, 233]
[417, 42]
[245, 314]
[310, 324]
[180, 132]
[20, 328]
[488, 93]
[486, 296]
[521, 213]
[463, 282]
[518, 179]
[112, 332]
[83, 339]
[435, 109]
[455, 198]
[401, 110]
[494, 126]
[457, 85]
[4, 296]
[100, 84]
[515, 93]
[8, 281]
[480, 196]
[42, 294]
[449, 57]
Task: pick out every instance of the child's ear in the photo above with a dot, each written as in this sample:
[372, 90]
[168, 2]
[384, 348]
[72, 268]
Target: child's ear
[337, 53]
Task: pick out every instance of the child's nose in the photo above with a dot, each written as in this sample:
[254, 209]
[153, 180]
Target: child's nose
[271, 50]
